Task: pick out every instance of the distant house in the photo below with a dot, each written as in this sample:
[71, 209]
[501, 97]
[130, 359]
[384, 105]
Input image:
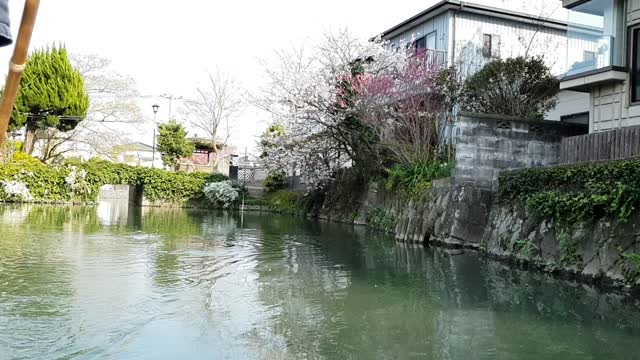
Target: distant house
[138, 154]
[205, 155]
[469, 36]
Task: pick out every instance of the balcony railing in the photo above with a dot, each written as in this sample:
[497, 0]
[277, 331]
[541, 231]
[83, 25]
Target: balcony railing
[435, 58]
[595, 53]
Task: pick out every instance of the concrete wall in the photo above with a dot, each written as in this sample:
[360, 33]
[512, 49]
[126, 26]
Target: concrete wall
[486, 145]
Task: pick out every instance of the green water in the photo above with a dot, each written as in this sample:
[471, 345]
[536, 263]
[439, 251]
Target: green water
[118, 283]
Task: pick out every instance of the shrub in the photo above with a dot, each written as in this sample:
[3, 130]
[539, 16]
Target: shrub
[284, 201]
[16, 190]
[520, 87]
[413, 178]
[583, 192]
[221, 193]
[81, 181]
[276, 180]
[378, 218]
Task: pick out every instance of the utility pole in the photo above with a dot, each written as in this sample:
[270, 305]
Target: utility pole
[170, 97]
[155, 126]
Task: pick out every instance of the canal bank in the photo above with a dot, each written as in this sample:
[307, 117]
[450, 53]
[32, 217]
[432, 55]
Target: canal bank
[511, 198]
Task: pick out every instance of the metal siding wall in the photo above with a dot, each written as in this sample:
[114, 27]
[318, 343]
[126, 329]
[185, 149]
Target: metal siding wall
[439, 23]
[514, 37]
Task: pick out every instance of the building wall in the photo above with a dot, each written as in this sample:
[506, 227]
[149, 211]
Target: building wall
[610, 105]
[440, 24]
[516, 39]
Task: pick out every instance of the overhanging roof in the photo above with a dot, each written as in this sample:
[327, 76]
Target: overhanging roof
[463, 6]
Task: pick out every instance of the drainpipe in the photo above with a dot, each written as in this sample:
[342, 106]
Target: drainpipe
[453, 35]
[450, 119]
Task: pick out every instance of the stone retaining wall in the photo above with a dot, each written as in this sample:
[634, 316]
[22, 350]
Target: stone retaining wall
[487, 145]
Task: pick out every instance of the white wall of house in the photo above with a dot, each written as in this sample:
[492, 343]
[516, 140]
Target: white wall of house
[439, 24]
[514, 38]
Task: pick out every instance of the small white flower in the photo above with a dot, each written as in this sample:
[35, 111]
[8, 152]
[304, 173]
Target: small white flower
[16, 190]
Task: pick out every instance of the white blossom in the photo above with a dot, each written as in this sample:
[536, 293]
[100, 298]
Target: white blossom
[221, 193]
[16, 190]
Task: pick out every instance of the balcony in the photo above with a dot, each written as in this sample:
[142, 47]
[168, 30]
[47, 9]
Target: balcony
[594, 44]
[434, 58]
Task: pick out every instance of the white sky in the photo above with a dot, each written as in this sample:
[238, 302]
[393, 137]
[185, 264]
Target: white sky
[168, 46]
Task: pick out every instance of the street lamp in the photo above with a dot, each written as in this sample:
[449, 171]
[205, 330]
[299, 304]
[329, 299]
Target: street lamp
[155, 125]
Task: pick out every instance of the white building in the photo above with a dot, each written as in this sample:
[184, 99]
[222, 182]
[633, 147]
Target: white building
[609, 72]
[139, 154]
[470, 35]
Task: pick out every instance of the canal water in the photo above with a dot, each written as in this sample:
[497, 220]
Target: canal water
[119, 283]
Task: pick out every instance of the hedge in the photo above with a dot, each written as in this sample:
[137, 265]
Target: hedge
[47, 183]
[573, 193]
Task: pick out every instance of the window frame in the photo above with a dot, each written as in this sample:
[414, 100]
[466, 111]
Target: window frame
[633, 62]
[487, 50]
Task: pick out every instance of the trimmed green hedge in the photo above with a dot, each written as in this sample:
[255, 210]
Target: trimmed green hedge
[574, 193]
[47, 183]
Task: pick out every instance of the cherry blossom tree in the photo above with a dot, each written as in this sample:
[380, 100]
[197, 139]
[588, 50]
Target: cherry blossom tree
[308, 96]
[402, 108]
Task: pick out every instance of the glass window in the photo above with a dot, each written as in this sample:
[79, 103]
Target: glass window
[595, 36]
[491, 46]
[486, 46]
[635, 65]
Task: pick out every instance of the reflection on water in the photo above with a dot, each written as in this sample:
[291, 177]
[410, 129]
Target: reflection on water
[116, 282]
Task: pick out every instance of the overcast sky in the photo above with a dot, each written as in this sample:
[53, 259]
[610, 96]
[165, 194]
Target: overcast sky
[168, 46]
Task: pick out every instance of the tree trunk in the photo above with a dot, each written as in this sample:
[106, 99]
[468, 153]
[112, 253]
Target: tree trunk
[214, 163]
[29, 139]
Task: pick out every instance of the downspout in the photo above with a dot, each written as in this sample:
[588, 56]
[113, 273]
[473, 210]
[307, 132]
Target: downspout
[453, 34]
[451, 119]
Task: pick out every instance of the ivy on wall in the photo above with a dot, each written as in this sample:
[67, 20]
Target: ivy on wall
[575, 193]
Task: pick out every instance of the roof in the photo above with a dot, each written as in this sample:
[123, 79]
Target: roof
[136, 146]
[463, 6]
[203, 143]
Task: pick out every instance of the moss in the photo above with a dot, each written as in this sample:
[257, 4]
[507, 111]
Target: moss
[524, 247]
[568, 250]
[378, 218]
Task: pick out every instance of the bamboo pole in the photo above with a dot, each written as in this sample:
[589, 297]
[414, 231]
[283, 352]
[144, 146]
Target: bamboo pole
[17, 65]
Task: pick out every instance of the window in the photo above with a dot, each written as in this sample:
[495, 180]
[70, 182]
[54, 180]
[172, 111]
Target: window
[595, 36]
[589, 56]
[635, 65]
[420, 44]
[491, 46]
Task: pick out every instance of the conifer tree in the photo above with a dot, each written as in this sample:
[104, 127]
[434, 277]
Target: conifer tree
[51, 95]
[173, 143]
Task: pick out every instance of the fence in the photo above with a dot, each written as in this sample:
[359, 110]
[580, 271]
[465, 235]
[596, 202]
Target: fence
[617, 144]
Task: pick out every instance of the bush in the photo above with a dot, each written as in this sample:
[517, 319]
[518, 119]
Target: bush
[221, 193]
[276, 180]
[519, 87]
[414, 178]
[574, 193]
[81, 181]
[284, 201]
[16, 190]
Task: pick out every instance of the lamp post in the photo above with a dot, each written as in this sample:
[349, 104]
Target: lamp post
[155, 125]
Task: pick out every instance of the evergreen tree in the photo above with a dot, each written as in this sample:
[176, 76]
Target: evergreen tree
[173, 143]
[52, 95]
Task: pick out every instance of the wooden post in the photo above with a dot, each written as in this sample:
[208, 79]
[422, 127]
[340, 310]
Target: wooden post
[17, 65]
